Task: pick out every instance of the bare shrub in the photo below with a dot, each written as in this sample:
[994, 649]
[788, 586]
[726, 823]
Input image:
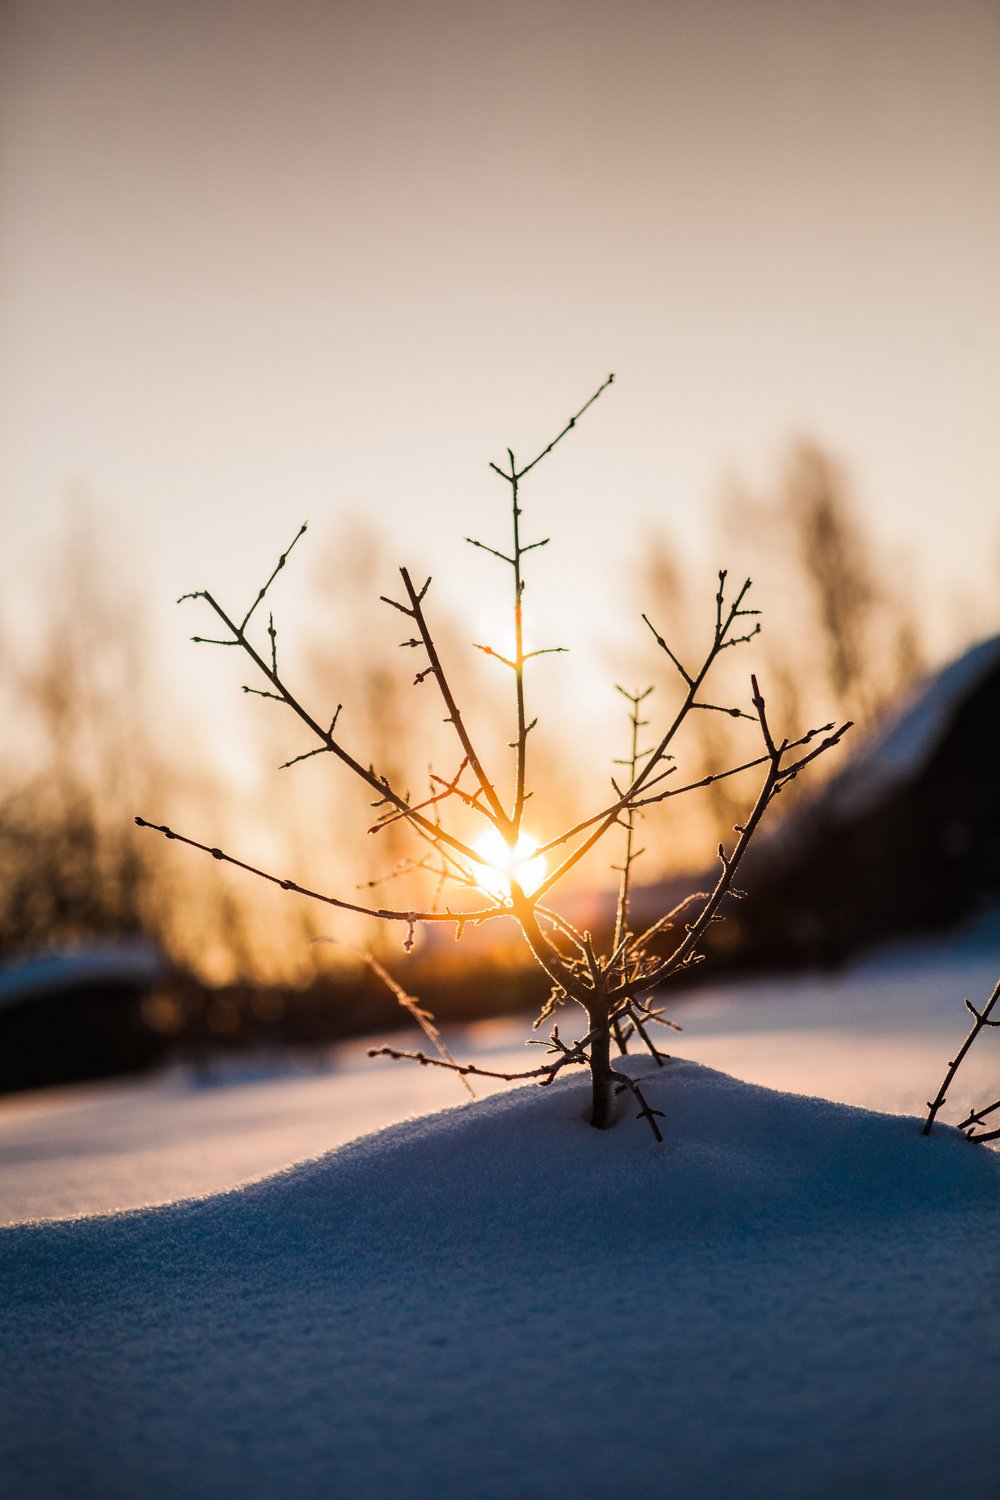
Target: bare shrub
[472, 841]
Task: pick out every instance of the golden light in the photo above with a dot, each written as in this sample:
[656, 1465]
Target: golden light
[504, 863]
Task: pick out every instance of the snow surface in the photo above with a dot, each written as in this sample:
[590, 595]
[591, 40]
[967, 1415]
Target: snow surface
[789, 1298]
[877, 1035]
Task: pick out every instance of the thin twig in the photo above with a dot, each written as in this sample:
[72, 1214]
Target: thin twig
[383, 913]
[980, 1019]
[326, 737]
[278, 567]
[568, 428]
[625, 799]
[724, 621]
[623, 1081]
[409, 1003]
[622, 912]
[685, 950]
[454, 713]
[513, 478]
[546, 1072]
[976, 1116]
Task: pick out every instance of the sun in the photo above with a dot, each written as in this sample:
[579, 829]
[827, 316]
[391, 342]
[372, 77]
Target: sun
[521, 863]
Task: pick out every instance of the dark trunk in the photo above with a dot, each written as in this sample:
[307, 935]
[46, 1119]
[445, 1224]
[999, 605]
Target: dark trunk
[600, 1073]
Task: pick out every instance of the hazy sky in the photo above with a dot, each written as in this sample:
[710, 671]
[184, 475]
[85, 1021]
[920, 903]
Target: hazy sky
[263, 261]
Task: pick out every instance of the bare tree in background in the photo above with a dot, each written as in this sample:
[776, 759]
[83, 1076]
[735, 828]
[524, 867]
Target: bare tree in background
[81, 700]
[842, 629]
[867, 633]
[78, 756]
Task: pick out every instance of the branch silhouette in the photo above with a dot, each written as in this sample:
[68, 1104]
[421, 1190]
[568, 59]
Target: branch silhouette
[613, 989]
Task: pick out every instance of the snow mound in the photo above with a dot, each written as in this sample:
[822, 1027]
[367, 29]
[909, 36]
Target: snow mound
[786, 1299]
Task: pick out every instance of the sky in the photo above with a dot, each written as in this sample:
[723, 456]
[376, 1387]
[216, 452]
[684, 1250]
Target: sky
[261, 262]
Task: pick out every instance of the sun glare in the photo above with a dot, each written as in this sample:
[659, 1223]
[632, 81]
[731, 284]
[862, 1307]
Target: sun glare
[521, 863]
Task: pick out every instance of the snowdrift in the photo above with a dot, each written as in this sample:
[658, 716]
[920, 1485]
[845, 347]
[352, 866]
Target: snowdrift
[789, 1298]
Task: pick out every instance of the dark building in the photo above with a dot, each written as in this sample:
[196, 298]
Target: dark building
[75, 1014]
[905, 840]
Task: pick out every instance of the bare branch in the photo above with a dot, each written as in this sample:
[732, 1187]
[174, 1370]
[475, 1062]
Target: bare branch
[623, 1081]
[545, 1073]
[519, 474]
[664, 923]
[277, 569]
[513, 478]
[631, 853]
[492, 550]
[976, 1116]
[451, 788]
[664, 647]
[366, 774]
[405, 867]
[381, 912]
[454, 713]
[686, 949]
[717, 708]
[724, 620]
[980, 1019]
[489, 651]
[409, 1003]
[384, 599]
[306, 755]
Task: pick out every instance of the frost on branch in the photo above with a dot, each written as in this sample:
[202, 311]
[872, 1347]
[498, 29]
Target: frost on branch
[470, 829]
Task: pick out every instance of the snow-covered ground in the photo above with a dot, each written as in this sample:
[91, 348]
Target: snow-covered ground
[878, 1035]
[790, 1298]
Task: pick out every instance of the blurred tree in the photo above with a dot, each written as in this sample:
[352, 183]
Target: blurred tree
[841, 635]
[867, 632]
[84, 701]
[78, 755]
[857, 630]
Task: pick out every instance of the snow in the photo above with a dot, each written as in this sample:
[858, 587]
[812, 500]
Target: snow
[877, 1035]
[134, 1144]
[792, 1297]
[498, 1301]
